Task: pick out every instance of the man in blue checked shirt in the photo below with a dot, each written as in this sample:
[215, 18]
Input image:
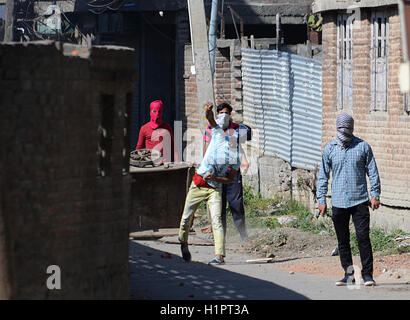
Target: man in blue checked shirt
[350, 159]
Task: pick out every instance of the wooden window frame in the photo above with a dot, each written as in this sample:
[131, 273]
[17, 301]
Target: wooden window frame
[345, 28]
[379, 59]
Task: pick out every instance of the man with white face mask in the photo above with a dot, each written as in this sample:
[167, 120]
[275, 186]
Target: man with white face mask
[219, 166]
[233, 193]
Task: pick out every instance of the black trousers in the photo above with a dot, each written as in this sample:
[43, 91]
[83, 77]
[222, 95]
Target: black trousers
[233, 192]
[361, 219]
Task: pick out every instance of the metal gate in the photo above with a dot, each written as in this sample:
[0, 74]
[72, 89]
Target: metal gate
[282, 100]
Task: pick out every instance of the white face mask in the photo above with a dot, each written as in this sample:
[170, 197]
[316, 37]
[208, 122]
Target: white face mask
[223, 120]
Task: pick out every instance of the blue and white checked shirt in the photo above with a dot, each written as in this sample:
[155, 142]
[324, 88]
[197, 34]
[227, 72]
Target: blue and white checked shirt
[349, 168]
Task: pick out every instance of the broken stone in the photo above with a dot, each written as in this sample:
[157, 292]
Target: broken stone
[286, 220]
[335, 252]
[398, 276]
[270, 255]
[291, 272]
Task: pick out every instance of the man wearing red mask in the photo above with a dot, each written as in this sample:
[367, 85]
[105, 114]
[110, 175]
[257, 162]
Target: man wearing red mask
[157, 134]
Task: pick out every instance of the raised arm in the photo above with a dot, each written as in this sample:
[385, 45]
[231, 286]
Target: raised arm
[210, 114]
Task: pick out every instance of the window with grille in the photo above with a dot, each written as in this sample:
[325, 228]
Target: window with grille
[345, 61]
[379, 54]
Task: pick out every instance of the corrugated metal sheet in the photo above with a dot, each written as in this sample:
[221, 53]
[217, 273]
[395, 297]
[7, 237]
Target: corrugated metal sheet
[282, 99]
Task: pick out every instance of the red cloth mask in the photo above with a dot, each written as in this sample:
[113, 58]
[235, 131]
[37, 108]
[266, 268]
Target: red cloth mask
[155, 110]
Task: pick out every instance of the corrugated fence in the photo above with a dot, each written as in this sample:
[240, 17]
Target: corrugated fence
[282, 100]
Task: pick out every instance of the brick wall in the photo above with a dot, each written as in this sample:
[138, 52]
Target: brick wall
[222, 76]
[329, 92]
[388, 131]
[228, 76]
[55, 207]
[190, 107]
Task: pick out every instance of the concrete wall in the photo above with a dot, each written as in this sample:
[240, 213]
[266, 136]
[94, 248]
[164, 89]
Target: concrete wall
[272, 176]
[158, 196]
[328, 5]
[55, 206]
[388, 131]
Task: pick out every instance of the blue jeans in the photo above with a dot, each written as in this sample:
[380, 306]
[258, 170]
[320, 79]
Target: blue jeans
[233, 193]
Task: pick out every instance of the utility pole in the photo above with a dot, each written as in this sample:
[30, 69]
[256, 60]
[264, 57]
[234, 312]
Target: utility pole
[212, 34]
[9, 21]
[199, 39]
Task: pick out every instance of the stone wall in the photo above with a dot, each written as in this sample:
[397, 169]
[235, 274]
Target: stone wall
[272, 176]
[64, 187]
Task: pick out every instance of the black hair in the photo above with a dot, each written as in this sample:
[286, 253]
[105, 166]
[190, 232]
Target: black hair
[223, 106]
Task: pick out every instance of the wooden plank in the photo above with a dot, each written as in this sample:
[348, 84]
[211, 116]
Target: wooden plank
[190, 243]
[267, 260]
[159, 233]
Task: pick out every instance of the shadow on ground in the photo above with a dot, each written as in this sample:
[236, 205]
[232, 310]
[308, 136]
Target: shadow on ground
[159, 275]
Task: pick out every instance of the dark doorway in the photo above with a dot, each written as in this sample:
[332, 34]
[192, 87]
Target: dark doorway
[157, 76]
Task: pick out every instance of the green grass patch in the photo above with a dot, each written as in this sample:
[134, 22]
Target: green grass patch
[380, 240]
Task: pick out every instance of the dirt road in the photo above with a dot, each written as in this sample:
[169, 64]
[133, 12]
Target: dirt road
[158, 272]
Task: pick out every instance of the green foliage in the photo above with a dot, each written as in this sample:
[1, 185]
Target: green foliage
[254, 204]
[248, 194]
[294, 207]
[261, 211]
[305, 221]
[299, 183]
[271, 223]
[380, 241]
